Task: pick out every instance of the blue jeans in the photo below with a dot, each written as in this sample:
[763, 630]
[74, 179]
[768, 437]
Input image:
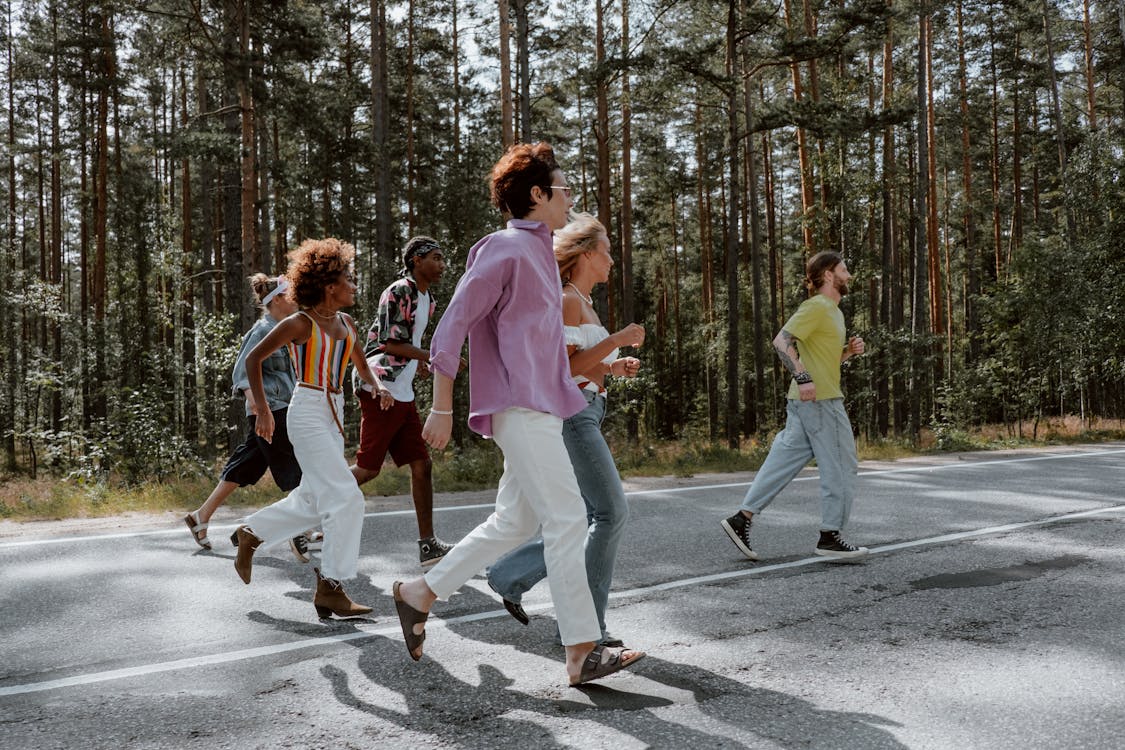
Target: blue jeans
[606, 510]
[813, 429]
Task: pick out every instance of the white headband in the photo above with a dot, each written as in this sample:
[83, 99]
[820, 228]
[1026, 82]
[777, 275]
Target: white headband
[282, 285]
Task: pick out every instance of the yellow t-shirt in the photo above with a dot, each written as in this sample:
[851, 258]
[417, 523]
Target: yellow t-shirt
[818, 326]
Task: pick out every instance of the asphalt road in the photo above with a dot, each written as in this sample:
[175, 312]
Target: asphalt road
[990, 615]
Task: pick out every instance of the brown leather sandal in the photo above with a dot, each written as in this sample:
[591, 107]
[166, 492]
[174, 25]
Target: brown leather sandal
[198, 530]
[605, 660]
[408, 617]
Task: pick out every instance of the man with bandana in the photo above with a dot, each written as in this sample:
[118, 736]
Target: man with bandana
[395, 355]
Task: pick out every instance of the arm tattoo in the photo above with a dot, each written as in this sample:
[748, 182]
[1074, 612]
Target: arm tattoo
[783, 351]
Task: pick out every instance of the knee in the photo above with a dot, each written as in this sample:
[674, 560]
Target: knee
[421, 469]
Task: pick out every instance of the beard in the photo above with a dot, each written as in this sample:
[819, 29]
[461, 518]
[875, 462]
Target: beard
[841, 286]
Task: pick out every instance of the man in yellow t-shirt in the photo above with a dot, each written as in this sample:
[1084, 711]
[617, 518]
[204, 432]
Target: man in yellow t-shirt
[812, 345]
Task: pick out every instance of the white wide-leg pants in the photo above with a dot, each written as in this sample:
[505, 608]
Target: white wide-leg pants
[538, 489]
[328, 495]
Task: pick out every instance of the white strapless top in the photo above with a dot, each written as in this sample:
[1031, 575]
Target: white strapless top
[587, 336]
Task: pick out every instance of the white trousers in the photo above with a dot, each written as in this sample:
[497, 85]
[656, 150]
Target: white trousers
[328, 495]
[538, 489]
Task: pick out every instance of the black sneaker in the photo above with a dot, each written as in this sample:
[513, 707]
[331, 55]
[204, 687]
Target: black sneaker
[831, 544]
[738, 529]
[299, 545]
[431, 550]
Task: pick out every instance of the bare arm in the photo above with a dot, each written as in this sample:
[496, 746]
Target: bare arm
[295, 328]
[588, 362]
[785, 344]
[404, 350]
[439, 425]
[386, 400]
[855, 346]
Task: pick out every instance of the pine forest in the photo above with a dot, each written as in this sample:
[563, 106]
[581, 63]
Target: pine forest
[965, 156]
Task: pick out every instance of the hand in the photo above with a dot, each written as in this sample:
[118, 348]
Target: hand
[855, 346]
[437, 430]
[423, 369]
[461, 364]
[631, 335]
[807, 391]
[626, 367]
[263, 425]
[386, 400]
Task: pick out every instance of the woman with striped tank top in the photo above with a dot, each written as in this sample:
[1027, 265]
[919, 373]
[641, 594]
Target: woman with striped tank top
[321, 341]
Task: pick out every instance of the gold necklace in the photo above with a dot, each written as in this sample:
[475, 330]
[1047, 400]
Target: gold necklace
[588, 300]
[321, 315]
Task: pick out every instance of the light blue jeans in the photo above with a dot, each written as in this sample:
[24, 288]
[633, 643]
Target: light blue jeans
[606, 510]
[813, 429]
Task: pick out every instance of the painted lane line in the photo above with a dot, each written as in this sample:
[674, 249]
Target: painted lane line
[393, 630]
[635, 493]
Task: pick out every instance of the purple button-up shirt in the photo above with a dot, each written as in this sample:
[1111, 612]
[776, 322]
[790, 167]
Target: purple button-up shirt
[509, 305]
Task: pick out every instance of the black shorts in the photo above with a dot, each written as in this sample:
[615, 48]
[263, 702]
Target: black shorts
[250, 460]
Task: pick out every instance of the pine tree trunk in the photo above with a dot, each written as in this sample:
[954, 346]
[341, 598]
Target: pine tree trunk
[379, 126]
[807, 199]
[732, 240]
[7, 265]
[187, 274]
[626, 268]
[101, 195]
[706, 252]
[969, 224]
[507, 126]
[410, 118]
[601, 136]
[523, 67]
[920, 305]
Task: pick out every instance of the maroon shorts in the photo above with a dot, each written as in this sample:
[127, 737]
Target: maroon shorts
[396, 430]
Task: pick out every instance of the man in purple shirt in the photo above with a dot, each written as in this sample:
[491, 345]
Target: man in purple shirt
[509, 305]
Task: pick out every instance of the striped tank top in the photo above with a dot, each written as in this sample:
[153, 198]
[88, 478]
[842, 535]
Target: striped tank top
[321, 360]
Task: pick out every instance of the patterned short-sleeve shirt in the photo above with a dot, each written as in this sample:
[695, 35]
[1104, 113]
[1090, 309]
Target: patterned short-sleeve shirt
[394, 321]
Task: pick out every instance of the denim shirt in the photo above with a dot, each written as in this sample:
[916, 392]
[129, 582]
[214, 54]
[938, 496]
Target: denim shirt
[278, 378]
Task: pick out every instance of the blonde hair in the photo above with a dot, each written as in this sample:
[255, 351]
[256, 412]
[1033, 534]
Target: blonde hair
[261, 285]
[581, 235]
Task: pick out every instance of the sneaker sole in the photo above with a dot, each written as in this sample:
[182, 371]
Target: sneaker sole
[837, 555]
[432, 561]
[750, 554]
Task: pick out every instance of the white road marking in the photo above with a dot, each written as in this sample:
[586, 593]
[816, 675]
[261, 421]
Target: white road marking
[178, 530]
[393, 630]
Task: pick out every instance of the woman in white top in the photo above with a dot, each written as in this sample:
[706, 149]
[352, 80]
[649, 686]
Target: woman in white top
[582, 252]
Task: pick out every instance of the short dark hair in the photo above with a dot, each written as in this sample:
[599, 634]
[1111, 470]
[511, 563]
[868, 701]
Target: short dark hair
[817, 266]
[521, 168]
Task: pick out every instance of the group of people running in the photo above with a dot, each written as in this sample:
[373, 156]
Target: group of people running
[538, 361]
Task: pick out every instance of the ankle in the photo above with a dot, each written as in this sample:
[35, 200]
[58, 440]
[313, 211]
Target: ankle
[747, 514]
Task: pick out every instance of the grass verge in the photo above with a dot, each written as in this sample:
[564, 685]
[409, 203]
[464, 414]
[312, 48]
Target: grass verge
[479, 467]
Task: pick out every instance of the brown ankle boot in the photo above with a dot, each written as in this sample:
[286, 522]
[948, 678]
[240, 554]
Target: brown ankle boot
[246, 542]
[330, 599]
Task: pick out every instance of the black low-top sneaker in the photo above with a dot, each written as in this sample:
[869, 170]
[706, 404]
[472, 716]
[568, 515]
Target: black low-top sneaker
[299, 546]
[831, 544]
[431, 550]
[738, 529]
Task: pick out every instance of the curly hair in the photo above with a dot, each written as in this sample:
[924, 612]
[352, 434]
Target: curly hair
[523, 167]
[581, 235]
[315, 264]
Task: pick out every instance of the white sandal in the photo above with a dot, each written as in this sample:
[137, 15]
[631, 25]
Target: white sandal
[193, 524]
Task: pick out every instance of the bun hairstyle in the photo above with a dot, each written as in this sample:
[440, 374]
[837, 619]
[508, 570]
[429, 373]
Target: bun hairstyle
[261, 285]
[817, 266]
[580, 235]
